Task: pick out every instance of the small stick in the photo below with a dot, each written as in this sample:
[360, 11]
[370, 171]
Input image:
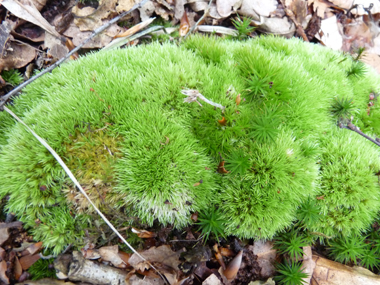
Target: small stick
[193, 95]
[291, 15]
[355, 129]
[6, 97]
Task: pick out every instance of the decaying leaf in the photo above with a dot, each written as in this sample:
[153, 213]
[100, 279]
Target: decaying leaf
[319, 6]
[3, 269]
[111, 254]
[29, 13]
[17, 268]
[238, 99]
[28, 260]
[331, 36]
[221, 168]
[34, 248]
[222, 121]
[162, 254]
[226, 7]
[4, 234]
[143, 233]
[253, 8]
[184, 26]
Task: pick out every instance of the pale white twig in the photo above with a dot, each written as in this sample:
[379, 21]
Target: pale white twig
[193, 95]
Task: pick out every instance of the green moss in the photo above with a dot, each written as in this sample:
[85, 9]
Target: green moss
[281, 146]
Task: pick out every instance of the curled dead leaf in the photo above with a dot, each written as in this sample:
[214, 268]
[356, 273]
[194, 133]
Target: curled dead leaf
[221, 168]
[220, 260]
[184, 26]
[321, 197]
[143, 233]
[34, 248]
[223, 121]
[226, 252]
[3, 269]
[238, 99]
[194, 217]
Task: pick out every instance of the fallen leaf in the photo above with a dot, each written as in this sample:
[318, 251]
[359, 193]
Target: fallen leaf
[135, 29]
[162, 254]
[34, 248]
[3, 269]
[17, 56]
[5, 29]
[28, 260]
[223, 121]
[221, 168]
[226, 7]
[90, 253]
[125, 5]
[17, 268]
[372, 60]
[179, 8]
[147, 10]
[319, 6]
[226, 252]
[4, 234]
[29, 13]
[110, 253]
[184, 26]
[194, 217]
[220, 260]
[143, 233]
[253, 8]
[238, 99]
[125, 257]
[331, 36]
[321, 197]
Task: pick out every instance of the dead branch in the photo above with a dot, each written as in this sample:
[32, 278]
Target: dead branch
[355, 129]
[6, 97]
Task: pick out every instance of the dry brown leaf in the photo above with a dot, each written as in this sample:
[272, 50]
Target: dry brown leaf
[125, 257]
[4, 233]
[145, 233]
[125, 5]
[17, 268]
[111, 254]
[28, 260]
[34, 248]
[226, 252]
[331, 35]
[29, 13]
[3, 269]
[135, 29]
[221, 168]
[357, 34]
[319, 6]
[238, 99]
[5, 29]
[162, 254]
[184, 26]
[98, 42]
[147, 10]
[253, 8]
[17, 56]
[329, 272]
[179, 8]
[233, 267]
[39, 4]
[222, 121]
[226, 7]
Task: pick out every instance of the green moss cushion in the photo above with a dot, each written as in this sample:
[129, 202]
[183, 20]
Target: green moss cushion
[120, 122]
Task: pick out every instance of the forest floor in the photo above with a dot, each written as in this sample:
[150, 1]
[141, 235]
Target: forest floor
[35, 34]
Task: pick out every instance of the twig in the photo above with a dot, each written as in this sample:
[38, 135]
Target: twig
[193, 95]
[6, 97]
[200, 20]
[299, 27]
[355, 129]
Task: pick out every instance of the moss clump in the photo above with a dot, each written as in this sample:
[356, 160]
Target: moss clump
[274, 150]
